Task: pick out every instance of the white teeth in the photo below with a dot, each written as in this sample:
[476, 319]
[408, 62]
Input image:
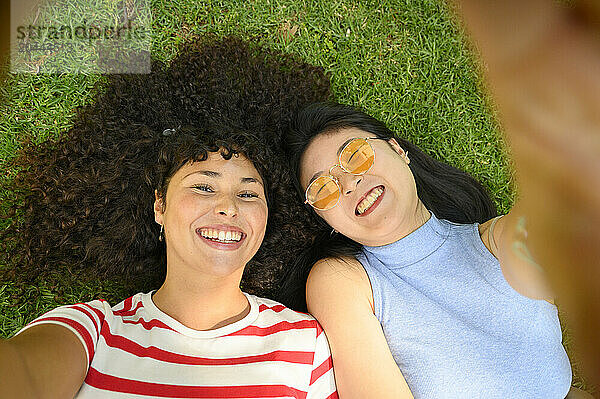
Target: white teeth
[367, 202]
[222, 236]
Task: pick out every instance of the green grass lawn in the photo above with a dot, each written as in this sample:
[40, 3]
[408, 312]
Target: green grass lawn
[405, 62]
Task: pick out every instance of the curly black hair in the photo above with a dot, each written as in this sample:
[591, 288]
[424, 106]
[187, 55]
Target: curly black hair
[84, 202]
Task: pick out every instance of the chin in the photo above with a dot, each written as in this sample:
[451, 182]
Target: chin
[222, 265]
[225, 270]
[369, 236]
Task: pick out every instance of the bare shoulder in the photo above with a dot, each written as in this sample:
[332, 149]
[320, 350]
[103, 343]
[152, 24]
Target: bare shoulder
[501, 237]
[342, 270]
[338, 294]
[491, 232]
[484, 227]
[337, 282]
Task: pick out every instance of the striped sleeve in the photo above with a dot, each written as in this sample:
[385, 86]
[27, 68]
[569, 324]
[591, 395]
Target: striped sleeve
[322, 382]
[83, 319]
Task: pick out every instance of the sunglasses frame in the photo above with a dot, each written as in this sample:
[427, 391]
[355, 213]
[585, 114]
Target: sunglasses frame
[339, 164]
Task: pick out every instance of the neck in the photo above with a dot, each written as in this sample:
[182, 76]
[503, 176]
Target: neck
[414, 220]
[420, 216]
[202, 303]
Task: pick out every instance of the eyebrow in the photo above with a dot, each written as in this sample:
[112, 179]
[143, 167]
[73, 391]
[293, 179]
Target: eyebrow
[250, 180]
[217, 175]
[343, 145]
[208, 173]
[340, 148]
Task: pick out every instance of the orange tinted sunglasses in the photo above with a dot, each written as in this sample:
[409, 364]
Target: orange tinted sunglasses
[357, 158]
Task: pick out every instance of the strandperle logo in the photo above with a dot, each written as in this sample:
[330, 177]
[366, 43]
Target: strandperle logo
[83, 32]
[79, 36]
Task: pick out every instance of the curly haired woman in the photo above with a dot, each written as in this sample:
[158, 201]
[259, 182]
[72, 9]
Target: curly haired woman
[171, 172]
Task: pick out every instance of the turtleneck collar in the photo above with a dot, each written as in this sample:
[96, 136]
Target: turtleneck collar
[414, 247]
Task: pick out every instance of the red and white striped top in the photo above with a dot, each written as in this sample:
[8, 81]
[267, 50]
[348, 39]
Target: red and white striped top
[134, 350]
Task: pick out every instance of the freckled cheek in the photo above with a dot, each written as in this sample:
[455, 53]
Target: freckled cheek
[188, 209]
[256, 215]
[261, 220]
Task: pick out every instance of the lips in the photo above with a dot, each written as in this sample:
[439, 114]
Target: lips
[221, 236]
[369, 201]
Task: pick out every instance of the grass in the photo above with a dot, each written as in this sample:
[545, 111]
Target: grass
[405, 61]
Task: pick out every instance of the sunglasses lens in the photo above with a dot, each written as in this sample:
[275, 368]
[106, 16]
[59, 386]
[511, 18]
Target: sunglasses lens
[357, 157]
[323, 193]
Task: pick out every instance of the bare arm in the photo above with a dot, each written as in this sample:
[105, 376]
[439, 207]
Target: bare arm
[543, 67]
[576, 393]
[505, 239]
[44, 361]
[339, 296]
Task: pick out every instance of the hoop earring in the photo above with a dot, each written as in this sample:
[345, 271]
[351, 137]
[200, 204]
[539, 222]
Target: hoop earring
[333, 232]
[162, 233]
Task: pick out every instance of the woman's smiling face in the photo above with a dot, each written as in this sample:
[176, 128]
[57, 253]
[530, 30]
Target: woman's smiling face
[376, 208]
[215, 214]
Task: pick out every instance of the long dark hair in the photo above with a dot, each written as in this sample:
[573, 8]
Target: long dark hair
[445, 190]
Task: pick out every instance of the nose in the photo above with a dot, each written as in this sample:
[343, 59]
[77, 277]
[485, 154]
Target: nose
[226, 206]
[348, 182]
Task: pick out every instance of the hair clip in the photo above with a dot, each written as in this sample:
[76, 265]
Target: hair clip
[168, 132]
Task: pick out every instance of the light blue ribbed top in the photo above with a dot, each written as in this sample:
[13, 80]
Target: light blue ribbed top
[454, 325]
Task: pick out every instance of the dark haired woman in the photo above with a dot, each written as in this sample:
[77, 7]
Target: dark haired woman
[424, 292]
[202, 209]
[428, 301]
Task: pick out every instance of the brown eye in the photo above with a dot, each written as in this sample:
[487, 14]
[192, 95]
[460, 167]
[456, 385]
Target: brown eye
[203, 187]
[248, 194]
